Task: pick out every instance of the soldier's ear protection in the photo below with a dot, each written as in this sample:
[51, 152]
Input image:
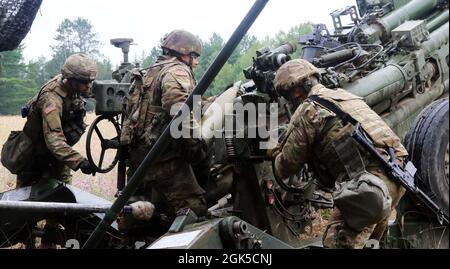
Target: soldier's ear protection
[307, 85]
[165, 51]
[192, 56]
[285, 94]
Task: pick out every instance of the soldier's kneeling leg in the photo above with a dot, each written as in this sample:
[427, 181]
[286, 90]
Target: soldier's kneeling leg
[176, 181]
[339, 236]
[360, 203]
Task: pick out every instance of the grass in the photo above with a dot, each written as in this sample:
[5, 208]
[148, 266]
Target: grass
[103, 185]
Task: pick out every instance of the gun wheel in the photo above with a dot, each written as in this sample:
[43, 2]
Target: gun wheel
[111, 144]
[428, 146]
[446, 164]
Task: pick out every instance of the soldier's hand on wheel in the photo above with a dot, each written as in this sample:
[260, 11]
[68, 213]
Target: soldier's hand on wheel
[87, 168]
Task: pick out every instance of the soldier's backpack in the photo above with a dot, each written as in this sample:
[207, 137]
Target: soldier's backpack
[138, 105]
[17, 153]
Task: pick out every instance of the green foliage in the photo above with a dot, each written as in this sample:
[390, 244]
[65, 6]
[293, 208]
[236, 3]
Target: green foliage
[242, 57]
[72, 36]
[20, 81]
[10, 63]
[14, 93]
[76, 36]
[104, 69]
[151, 59]
[17, 82]
[36, 71]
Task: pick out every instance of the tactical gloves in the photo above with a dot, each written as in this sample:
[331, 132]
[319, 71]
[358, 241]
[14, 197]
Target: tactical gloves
[87, 168]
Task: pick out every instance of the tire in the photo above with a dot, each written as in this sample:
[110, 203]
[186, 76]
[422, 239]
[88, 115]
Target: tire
[428, 145]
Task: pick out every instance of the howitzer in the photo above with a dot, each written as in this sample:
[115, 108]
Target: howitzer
[122, 75]
[381, 28]
[238, 144]
[110, 97]
[396, 57]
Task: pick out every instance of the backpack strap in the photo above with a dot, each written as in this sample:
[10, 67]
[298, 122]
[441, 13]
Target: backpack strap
[345, 117]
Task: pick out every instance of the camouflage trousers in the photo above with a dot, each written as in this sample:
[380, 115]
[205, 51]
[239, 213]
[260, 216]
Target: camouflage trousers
[174, 182]
[339, 236]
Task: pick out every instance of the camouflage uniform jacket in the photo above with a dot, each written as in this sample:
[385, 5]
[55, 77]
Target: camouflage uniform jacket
[313, 129]
[168, 82]
[55, 123]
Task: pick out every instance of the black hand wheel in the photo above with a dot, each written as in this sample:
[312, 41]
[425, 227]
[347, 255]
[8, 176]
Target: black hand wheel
[106, 144]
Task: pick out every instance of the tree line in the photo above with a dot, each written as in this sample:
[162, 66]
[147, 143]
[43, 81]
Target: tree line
[20, 80]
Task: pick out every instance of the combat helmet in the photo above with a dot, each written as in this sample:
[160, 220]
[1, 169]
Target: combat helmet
[182, 42]
[292, 73]
[80, 67]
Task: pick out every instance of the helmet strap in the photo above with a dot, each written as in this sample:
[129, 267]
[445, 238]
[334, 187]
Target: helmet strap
[191, 60]
[180, 57]
[72, 86]
[185, 61]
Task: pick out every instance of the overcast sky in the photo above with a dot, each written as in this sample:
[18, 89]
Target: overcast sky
[146, 21]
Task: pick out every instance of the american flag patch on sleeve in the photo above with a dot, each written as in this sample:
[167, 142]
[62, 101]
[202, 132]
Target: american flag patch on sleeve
[49, 108]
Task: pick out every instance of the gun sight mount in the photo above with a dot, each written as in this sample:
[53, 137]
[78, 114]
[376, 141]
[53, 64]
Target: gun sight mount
[124, 44]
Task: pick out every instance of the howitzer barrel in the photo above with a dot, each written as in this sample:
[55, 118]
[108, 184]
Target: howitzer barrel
[335, 57]
[437, 39]
[287, 48]
[272, 60]
[410, 107]
[383, 84]
[380, 85]
[49, 207]
[282, 53]
[438, 21]
[416, 9]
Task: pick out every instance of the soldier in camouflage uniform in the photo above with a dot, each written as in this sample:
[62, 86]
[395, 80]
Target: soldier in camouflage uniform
[318, 137]
[167, 83]
[55, 123]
